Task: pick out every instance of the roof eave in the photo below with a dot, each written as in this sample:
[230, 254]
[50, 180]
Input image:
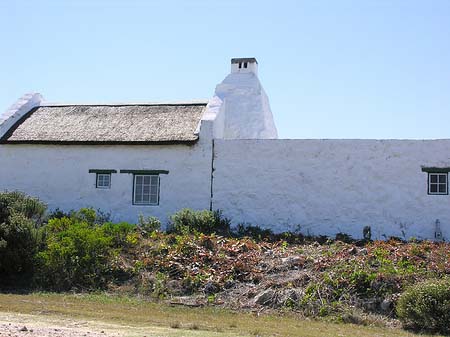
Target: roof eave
[55, 142]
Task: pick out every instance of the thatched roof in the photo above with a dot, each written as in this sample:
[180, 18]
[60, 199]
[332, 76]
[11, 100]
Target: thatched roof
[114, 124]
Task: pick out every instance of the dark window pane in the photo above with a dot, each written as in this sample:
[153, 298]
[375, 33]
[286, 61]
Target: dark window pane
[442, 188]
[103, 180]
[433, 178]
[442, 178]
[433, 188]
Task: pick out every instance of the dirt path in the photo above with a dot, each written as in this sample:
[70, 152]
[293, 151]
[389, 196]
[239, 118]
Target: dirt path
[44, 325]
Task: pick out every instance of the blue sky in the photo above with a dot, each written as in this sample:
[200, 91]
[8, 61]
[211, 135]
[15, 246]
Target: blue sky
[332, 69]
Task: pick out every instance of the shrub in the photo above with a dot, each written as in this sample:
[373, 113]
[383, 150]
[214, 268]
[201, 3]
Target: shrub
[254, 232]
[79, 252]
[426, 306]
[20, 237]
[75, 256]
[148, 225]
[206, 222]
[121, 234]
[344, 238]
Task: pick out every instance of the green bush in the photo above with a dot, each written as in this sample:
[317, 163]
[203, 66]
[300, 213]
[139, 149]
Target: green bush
[254, 232]
[90, 215]
[148, 225]
[20, 236]
[122, 234]
[79, 253]
[207, 222]
[426, 306]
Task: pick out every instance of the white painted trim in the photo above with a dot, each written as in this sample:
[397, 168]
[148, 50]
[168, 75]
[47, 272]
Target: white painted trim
[17, 110]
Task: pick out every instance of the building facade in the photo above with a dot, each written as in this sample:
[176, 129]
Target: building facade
[156, 158]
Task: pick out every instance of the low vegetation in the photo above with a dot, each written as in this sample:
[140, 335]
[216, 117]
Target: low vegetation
[202, 262]
[21, 218]
[79, 251]
[125, 316]
[426, 306]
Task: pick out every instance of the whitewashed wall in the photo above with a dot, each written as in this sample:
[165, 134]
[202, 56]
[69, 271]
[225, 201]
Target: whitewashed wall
[59, 175]
[331, 186]
[242, 108]
[318, 186]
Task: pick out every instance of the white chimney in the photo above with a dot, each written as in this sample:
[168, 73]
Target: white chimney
[244, 65]
[240, 105]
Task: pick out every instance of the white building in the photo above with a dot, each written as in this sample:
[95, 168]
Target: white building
[156, 158]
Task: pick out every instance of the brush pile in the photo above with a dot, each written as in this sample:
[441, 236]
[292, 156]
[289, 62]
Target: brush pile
[316, 279]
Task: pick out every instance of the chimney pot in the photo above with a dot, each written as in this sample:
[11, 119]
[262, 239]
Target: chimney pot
[244, 65]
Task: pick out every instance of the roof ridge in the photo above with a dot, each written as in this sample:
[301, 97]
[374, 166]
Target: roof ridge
[161, 103]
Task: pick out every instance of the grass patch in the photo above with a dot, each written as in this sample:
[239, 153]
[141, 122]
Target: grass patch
[208, 321]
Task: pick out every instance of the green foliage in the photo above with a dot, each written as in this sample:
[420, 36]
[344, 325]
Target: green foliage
[76, 256]
[258, 234]
[83, 214]
[254, 232]
[207, 222]
[361, 281]
[79, 252]
[148, 225]
[344, 238]
[20, 235]
[426, 306]
[159, 285]
[122, 234]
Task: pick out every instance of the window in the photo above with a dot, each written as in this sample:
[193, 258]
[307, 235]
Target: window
[146, 189]
[103, 180]
[437, 183]
[102, 177]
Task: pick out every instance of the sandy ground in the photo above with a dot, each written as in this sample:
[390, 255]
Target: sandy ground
[21, 325]
[43, 325]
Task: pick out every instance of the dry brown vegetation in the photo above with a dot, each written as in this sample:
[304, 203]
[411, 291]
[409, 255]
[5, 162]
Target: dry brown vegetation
[336, 279]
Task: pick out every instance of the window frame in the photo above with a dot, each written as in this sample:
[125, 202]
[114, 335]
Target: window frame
[135, 175]
[437, 183]
[102, 171]
[97, 175]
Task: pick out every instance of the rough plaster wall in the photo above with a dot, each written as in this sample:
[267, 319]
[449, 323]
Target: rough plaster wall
[245, 112]
[331, 186]
[59, 175]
